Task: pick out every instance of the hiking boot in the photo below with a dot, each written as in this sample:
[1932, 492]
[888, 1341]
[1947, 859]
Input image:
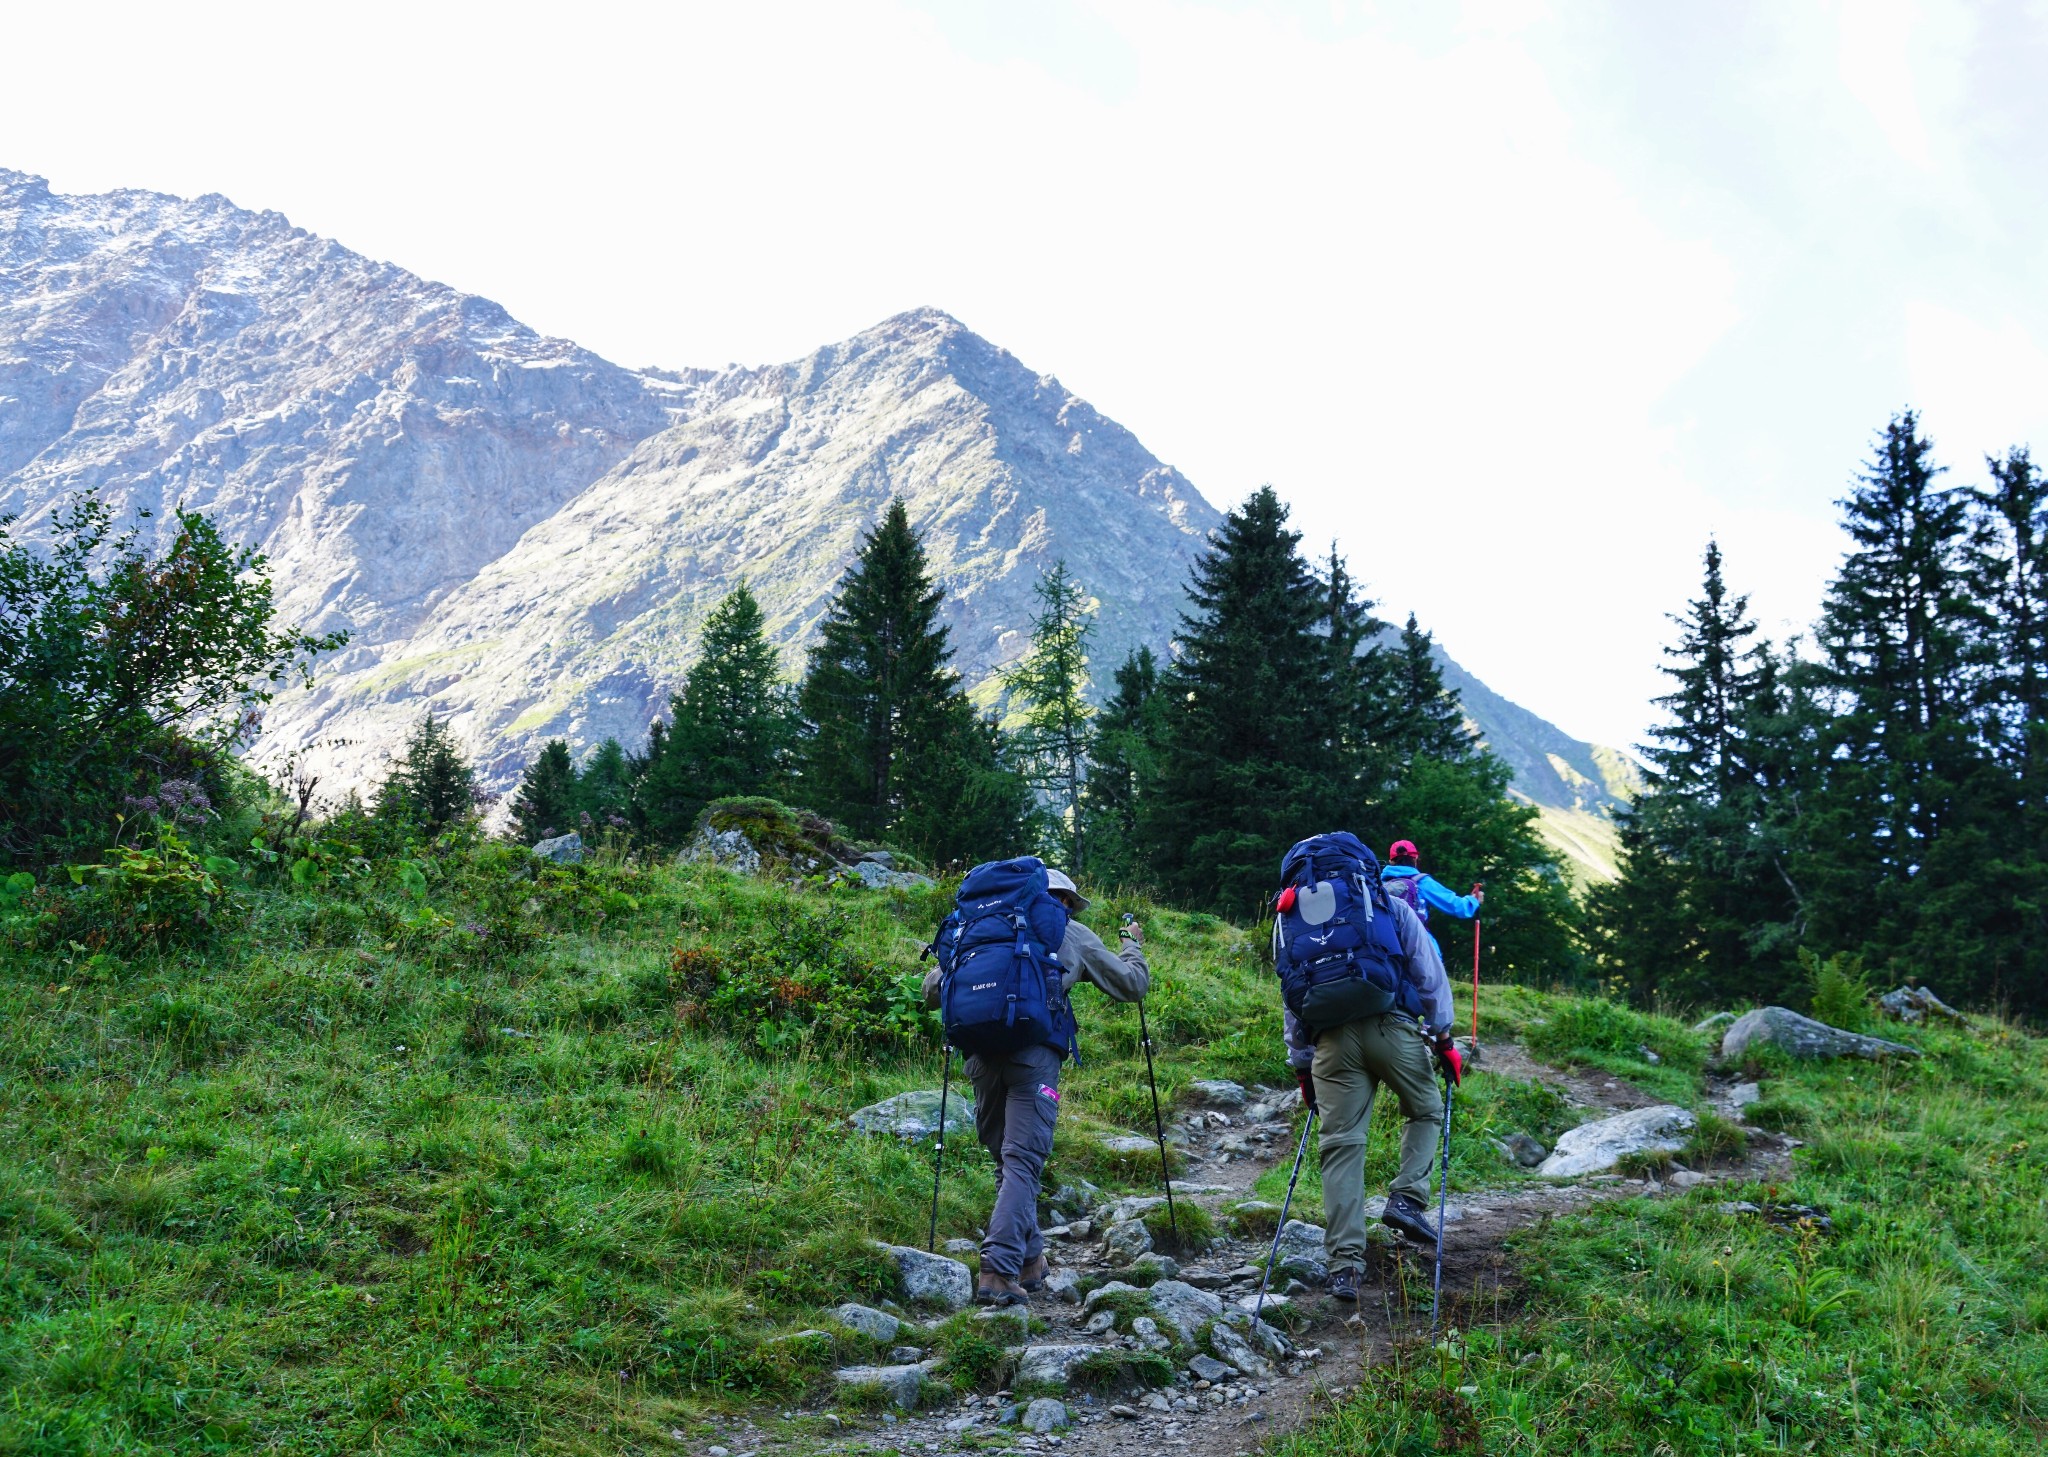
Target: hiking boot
[1344, 1284]
[1032, 1276]
[1404, 1214]
[993, 1289]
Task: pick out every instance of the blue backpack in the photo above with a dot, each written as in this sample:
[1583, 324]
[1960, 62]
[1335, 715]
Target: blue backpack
[1001, 987]
[1335, 945]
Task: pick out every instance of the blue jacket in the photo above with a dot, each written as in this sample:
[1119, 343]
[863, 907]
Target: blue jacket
[1435, 896]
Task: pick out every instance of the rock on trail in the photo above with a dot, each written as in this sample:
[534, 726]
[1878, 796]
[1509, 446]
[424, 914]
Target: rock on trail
[1802, 1037]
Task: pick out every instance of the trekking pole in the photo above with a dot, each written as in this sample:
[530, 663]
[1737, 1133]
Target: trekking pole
[1300, 1152]
[1158, 1124]
[931, 1241]
[1443, 1201]
[1477, 886]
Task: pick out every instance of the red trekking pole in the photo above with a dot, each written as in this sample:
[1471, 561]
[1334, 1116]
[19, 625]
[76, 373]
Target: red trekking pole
[1477, 886]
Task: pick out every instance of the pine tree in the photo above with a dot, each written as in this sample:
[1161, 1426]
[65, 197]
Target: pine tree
[1047, 690]
[962, 803]
[1697, 878]
[431, 788]
[731, 729]
[548, 799]
[878, 693]
[1122, 769]
[1253, 755]
[2008, 569]
[604, 790]
[1429, 721]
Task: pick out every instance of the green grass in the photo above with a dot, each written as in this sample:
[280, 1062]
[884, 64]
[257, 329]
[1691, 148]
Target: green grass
[479, 1172]
[1912, 1321]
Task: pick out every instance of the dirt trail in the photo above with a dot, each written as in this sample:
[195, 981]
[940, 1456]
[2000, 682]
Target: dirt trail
[1227, 1150]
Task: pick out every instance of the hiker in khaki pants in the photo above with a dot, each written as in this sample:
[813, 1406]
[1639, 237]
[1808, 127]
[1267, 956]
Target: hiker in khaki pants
[1341, 1072]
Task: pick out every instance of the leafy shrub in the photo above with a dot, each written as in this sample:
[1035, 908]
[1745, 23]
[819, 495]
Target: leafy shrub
[798, 979]
[160, 895]
[123, 662]
[1838, 989]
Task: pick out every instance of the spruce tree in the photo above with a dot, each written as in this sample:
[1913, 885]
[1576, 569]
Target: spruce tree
[604, 790]
[1049, 708]
[962, 803]
[1253, 753]
[547, 800]
[878, 695]
[2008, 569]
[1122, 768]
[731, 729]
[1428, 718]
[431, 787]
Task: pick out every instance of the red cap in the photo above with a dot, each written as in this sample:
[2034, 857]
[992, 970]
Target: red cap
[1404, 847]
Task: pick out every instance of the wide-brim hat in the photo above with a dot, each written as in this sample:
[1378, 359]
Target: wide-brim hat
[1060, 880]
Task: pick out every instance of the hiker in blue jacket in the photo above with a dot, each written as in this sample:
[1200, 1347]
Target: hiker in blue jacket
[1017, 1101]
[1404, 880]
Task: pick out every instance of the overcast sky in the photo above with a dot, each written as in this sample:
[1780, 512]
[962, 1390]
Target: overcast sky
[1518, 302]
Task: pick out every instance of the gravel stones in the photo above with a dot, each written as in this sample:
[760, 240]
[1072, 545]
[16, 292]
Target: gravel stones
[1802, 1037]
[931, 1279]
[876, 1325]
[1592, 1148]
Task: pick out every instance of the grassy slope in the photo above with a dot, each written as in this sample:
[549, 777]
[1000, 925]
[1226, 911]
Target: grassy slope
[1912, 1321]
[358, 1177]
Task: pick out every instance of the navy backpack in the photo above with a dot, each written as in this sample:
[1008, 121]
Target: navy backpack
[1335, 945]
[1002, 988]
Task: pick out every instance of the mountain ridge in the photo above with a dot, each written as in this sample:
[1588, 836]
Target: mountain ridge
[520, 534]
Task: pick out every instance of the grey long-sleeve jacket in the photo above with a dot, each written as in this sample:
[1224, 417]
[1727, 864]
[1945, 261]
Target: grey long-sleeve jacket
[1123, 976]
[1425, 964]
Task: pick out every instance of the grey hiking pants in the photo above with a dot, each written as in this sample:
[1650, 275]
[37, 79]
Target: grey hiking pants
[1353, 1062]
[1016, 1100]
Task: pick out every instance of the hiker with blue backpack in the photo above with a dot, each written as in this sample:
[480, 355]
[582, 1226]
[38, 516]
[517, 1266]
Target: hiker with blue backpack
[1008, 957]
[1367, 1006]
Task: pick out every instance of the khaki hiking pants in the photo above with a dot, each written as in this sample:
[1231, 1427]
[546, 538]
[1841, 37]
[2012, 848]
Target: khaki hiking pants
[1352, 1062]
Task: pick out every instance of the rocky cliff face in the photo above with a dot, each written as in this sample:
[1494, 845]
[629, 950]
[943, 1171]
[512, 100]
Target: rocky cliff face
[525, 537]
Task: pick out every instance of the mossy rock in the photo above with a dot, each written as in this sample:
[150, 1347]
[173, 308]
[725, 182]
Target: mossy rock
[778, 832]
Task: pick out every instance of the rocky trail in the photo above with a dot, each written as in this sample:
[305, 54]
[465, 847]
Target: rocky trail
[1235, 1384]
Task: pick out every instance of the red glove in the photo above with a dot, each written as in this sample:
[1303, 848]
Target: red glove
[1454, 1065]
[1307, 1082]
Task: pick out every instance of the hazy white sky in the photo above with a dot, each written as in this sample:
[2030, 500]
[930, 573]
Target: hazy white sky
[1517, 301]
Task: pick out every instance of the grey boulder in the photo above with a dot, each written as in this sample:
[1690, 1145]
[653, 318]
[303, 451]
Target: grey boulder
[1208, 1368]
[1052, 1365]
[877, 1325]
[562, 850]
[1911, 1004]
[1184, 1308]
[1593, 1148]
[1135, 1207]
[931, 1279]
[1802, 1037]
[1524, 1150]
[1300, 1251]
[724, 849]
[1235, 1350]
[1218, 1093]
[915, 1114]
[1046, 1414]
[1127, 1241]
[873, 875]
[901, 1384]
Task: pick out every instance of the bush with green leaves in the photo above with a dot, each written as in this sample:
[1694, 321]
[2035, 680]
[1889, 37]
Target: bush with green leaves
[127, 663]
